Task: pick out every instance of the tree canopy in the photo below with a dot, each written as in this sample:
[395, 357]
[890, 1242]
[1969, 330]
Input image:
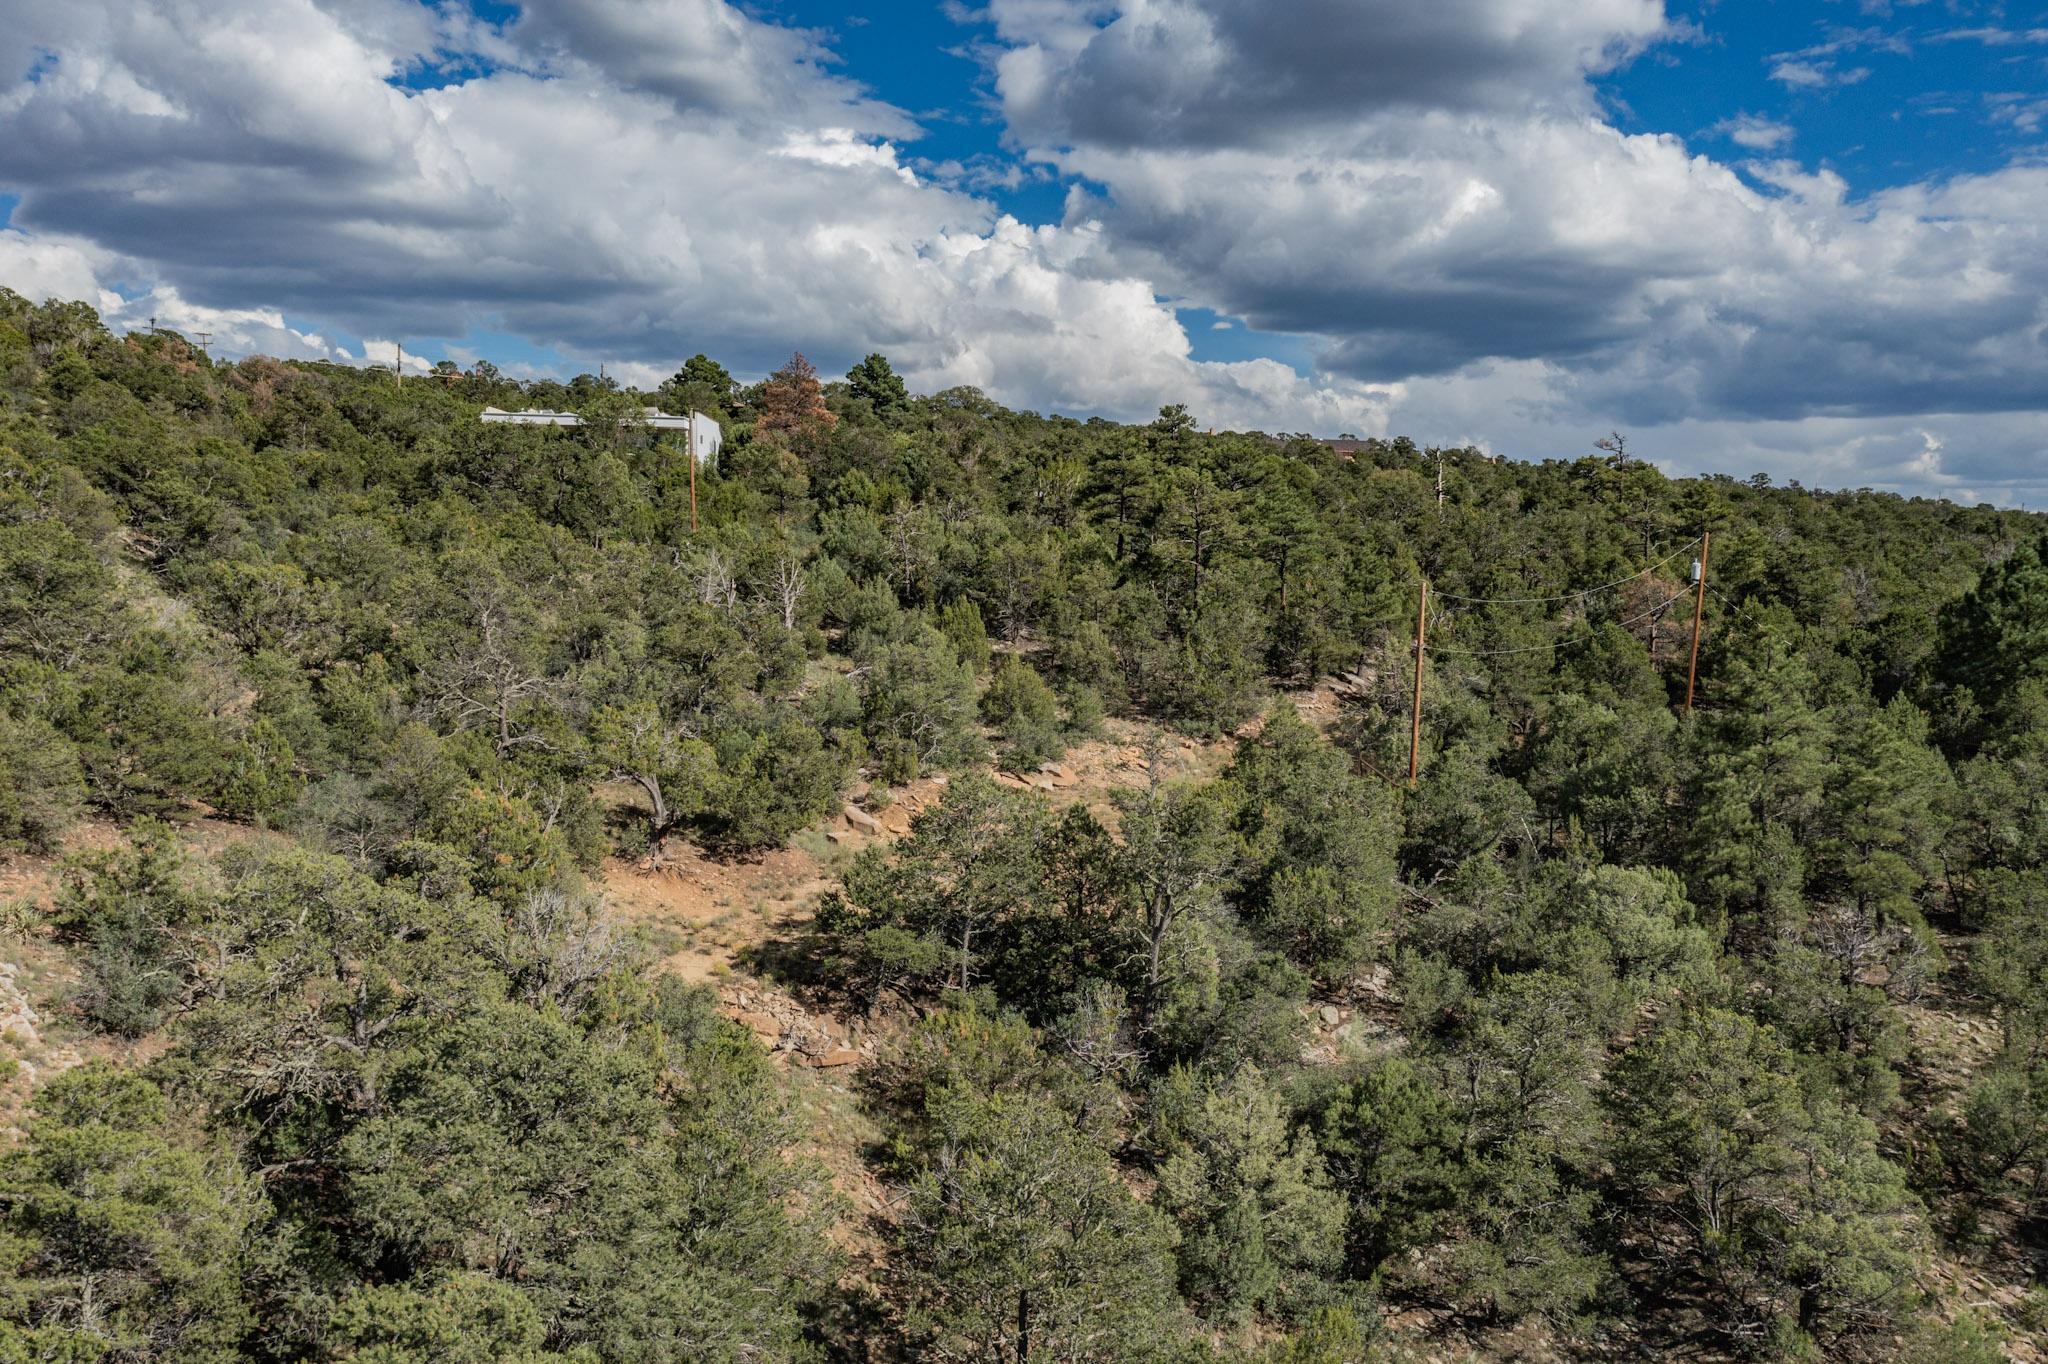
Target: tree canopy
[1621, 1031]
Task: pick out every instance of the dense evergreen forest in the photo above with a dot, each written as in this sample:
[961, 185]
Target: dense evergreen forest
[1715, 1035]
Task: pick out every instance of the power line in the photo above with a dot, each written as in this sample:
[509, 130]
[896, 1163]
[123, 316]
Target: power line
[1697, 586]
[1559, 643]
[1570, 596]
[1699, 615]
[1740, 610]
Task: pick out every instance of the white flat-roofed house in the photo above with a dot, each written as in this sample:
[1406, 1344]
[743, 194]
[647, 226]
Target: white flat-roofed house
[700, 433]
[706, 438]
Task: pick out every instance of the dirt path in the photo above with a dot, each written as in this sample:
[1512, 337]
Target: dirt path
[705, 912]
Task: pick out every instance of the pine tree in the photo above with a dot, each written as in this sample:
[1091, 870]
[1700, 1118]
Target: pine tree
[124, 1234]
[1996, 637]
[1760, 778]
[1020, 1242]
[1318, 846]
[1261, 1227]
[1781, 1195]
[874, 380]
[968, 871]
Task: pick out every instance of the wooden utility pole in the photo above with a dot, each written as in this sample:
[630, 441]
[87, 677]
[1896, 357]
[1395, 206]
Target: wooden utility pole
[1415, 711]
[1699, 608]
[398, 365]
[690, 453]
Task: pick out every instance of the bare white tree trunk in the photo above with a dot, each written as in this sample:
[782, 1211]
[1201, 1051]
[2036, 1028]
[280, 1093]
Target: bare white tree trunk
[788, 585]
[715, 585]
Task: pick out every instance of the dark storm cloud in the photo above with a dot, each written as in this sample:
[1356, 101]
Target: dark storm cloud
[705, 56]
[1232, 72]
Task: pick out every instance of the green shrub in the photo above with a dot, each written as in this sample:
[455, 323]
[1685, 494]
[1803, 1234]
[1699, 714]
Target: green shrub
[1024, 711]
[42, 787]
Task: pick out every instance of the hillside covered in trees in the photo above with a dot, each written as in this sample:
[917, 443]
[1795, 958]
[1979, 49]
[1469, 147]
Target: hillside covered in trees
[1716, 1035]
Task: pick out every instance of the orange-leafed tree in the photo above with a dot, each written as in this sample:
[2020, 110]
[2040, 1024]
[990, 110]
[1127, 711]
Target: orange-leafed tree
[792, 401]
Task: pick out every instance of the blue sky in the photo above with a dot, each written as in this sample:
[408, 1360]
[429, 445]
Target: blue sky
[1885, 99]
[1806, 238]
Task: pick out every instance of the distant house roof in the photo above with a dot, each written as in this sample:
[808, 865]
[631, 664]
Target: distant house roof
[704, 436]
[1346, 446]
[541, 416]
